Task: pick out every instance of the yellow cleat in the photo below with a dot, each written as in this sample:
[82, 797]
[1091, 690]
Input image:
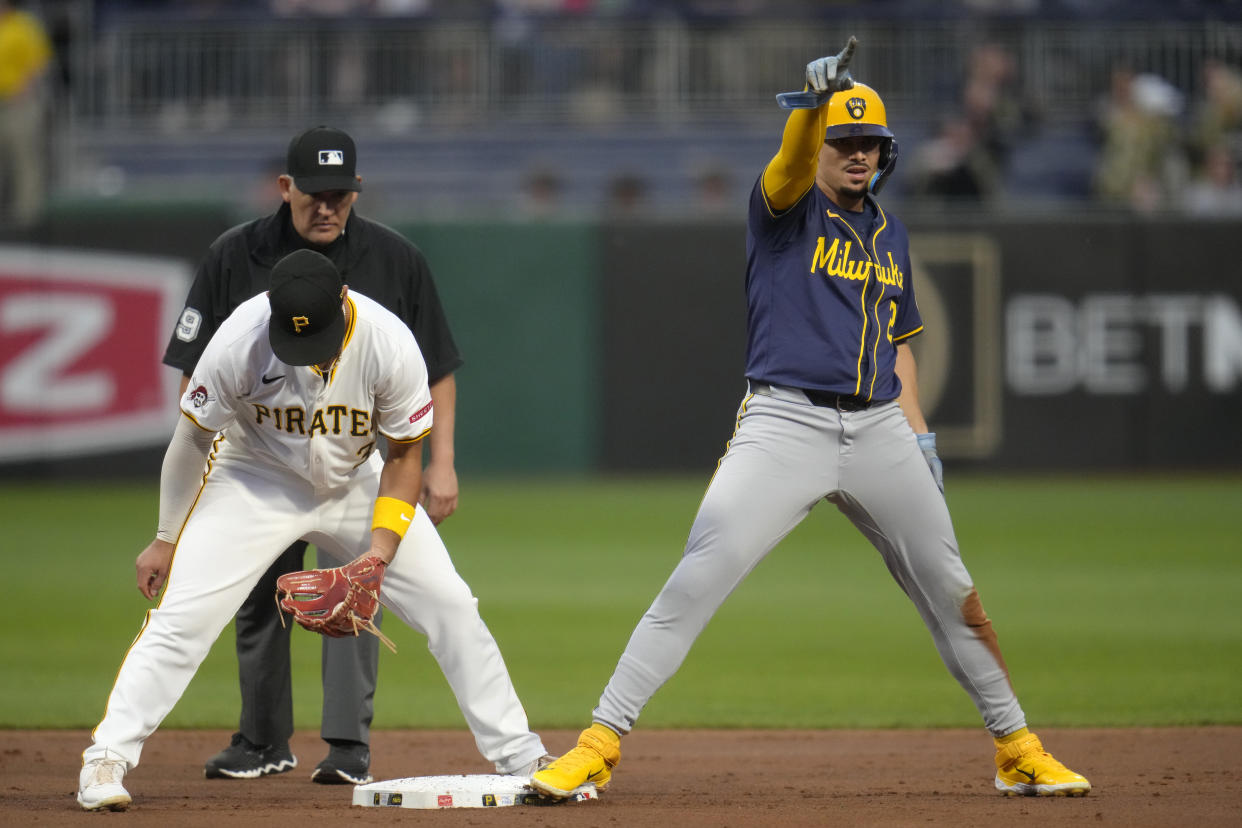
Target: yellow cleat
[597, 753]
[1024, 768]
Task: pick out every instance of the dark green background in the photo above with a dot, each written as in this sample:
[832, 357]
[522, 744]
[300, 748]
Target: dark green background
[619, 346]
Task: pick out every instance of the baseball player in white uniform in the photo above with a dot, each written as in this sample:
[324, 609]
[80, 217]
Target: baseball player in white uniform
[277, 443]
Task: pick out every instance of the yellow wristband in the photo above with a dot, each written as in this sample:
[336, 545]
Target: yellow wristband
[392, 514]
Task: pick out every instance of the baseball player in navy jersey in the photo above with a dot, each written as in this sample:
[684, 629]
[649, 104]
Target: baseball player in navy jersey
[832, 414]
[282, 417]
[319, 189]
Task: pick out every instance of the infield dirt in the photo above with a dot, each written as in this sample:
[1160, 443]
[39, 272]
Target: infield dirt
[682, 778]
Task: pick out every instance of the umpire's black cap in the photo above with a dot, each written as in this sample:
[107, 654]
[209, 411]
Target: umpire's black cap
[307, 325]
[322, 158]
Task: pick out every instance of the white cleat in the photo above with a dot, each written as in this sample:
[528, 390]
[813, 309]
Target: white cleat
[100, 788]
[529, 768]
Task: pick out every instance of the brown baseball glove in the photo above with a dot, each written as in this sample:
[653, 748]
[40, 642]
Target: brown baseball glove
[335, 602]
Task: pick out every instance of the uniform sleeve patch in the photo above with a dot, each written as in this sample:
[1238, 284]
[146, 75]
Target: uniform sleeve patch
[420, 413]
[188, 325]
[199, 397]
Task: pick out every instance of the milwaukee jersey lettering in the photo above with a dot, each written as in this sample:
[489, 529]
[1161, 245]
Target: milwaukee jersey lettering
[289, 417]
[830, 296]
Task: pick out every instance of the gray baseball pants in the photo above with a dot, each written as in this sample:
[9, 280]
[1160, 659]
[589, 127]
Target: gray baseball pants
[786, 456]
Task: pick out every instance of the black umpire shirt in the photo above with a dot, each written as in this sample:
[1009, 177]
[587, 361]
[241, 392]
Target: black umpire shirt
[376, 260]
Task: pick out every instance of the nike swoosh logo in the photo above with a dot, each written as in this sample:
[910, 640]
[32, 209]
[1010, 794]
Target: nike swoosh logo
[268, 380]
[405, 517]
[591, 776]
[1028, 774]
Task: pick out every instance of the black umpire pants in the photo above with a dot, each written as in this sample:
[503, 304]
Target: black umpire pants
[350, 668]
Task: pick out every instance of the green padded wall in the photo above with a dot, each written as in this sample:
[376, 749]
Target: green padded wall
[522, 302]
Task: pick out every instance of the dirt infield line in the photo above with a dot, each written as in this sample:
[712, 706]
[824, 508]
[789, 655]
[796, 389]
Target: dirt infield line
[682, 778]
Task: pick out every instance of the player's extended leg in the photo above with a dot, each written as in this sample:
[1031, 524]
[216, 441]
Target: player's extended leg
[424, 590]
[889, 494]
[222, 551]
[781, 461]
[261, 744]
[350, 670]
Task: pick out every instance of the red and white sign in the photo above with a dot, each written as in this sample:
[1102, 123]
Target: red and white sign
[81, 339]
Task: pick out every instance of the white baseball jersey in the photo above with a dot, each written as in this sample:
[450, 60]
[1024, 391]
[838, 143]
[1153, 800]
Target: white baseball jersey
[278, 418]
[321, 427]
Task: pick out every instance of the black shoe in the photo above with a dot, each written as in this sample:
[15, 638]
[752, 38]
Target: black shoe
[347, 763]
[243, 759]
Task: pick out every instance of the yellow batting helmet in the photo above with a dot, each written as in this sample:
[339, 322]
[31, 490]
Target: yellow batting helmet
[859, 111]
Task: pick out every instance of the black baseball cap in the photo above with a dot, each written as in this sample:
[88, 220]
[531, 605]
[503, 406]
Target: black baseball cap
[322, 158]
[307, 325]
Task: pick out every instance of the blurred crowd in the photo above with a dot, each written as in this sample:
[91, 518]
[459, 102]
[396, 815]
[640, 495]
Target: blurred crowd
[907, 9]
[1161, 148]
[26, 68]
[1152, 145]
[966, 157]
[1155, 147]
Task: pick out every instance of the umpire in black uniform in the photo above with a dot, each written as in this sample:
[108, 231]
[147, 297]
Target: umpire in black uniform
[318, 189]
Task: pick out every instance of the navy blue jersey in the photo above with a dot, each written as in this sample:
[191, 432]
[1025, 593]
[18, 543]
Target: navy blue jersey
[827, 304]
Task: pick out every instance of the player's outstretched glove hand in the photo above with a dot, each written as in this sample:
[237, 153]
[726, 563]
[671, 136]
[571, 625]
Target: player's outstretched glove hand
[927, 443]
[831, 74]
[335, 602]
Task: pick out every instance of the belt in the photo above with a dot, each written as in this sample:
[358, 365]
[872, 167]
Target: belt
[817, 397]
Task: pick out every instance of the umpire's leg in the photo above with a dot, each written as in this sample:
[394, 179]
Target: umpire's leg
[350, 670]
[263, 667]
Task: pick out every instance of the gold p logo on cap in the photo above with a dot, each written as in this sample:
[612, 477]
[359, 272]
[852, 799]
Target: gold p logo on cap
[299, 322]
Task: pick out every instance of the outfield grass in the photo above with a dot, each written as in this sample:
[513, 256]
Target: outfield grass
[1116, 600]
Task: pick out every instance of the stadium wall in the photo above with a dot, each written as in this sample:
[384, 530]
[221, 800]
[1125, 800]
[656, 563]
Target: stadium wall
[1069, 343]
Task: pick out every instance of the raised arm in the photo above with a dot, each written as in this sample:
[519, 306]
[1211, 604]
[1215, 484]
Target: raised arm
[791, 172]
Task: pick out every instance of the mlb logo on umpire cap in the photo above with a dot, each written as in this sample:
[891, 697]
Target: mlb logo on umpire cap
[321, 159]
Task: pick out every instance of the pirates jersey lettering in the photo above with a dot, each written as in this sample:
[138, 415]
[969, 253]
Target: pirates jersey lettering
[321, 427]
[329, 420]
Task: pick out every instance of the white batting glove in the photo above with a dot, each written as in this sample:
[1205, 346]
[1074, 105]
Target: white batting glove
[927, 444]
[831, 74]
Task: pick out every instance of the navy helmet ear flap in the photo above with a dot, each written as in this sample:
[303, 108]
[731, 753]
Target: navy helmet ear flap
[888, 160]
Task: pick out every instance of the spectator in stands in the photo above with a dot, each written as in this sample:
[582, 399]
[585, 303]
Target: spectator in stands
[626, 197]
[993, 103]
[713, 192]
[1215, 190]
[25, 59]
[954, 167]
[1141, 152]
[1218, 116]
[966, 159]
[317, 8]
[541, 194]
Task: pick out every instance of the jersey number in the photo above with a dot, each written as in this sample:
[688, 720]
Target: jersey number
[892, 318]
[364, 453]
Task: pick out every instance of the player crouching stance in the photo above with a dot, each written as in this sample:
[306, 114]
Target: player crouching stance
[278, 443]
[833, 415]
